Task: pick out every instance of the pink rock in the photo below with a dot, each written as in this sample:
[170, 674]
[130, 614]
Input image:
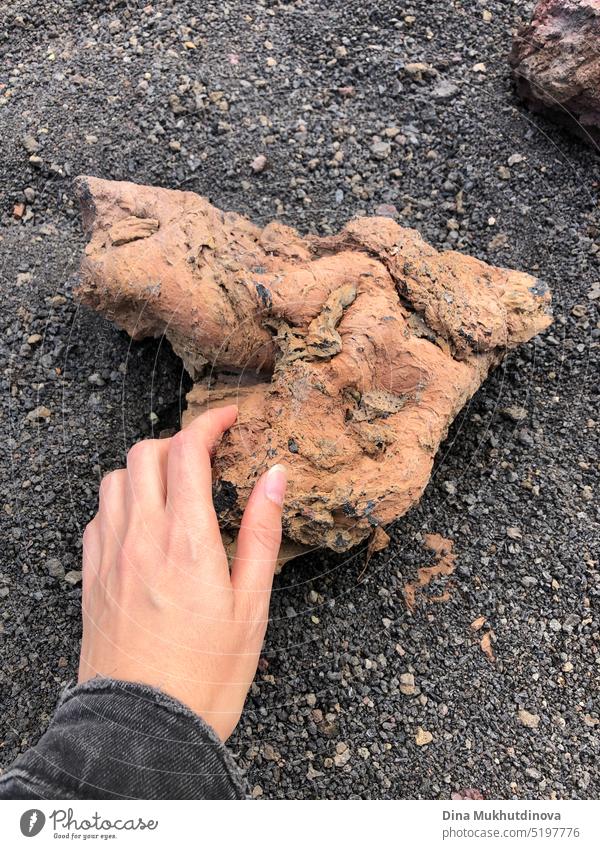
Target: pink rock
[556, 64]
[468, 793]
[259, 163]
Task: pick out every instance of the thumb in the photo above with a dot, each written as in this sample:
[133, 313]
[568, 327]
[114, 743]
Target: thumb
[259, 536]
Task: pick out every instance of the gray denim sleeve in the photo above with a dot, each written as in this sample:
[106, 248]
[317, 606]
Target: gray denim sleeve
[118, 740]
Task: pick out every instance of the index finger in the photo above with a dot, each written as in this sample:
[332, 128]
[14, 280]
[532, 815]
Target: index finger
[189, 474]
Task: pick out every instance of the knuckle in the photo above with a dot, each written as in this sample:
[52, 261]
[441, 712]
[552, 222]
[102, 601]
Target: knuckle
[88, 534]
[108, 484]
[140, 551]
[181, 441]
[139, 451]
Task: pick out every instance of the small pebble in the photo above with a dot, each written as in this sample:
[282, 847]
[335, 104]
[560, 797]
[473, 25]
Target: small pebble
[423, 737]
[529, 720]
[55, 568]
[73, 577]
[259, 163]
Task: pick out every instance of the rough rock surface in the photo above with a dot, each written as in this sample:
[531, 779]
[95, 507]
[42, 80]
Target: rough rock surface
[349, 356]
[556, 63]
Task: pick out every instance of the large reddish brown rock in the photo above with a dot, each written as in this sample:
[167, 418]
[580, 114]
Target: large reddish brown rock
[556, 63]
[349, 356]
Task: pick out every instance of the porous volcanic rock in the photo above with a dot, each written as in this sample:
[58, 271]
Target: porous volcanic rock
[556, 64]
[349, 356]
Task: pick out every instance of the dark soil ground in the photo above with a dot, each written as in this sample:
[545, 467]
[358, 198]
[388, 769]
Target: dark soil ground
[185, 95]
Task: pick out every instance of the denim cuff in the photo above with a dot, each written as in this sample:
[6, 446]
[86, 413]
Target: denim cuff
[113, 739]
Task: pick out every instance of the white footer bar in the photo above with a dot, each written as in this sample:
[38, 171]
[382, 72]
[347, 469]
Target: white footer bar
[265, 824]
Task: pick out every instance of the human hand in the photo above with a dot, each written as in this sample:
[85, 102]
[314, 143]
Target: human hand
[160, 606]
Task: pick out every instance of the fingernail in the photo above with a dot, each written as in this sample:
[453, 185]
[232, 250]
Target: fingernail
[275, 483]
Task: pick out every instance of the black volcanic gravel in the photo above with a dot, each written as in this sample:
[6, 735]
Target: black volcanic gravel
[187, 95]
